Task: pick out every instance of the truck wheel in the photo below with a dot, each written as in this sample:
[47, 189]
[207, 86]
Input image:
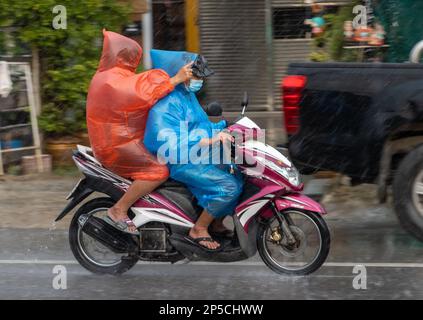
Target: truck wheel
[408, 193]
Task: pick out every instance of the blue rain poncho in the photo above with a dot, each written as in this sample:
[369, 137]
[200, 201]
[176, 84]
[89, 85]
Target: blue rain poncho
[175, 126]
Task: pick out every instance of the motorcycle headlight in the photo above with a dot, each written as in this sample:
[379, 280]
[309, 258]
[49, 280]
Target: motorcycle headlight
[289, 173]
[293, 176]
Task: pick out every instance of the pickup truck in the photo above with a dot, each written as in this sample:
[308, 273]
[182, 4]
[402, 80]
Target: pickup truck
[363, 120]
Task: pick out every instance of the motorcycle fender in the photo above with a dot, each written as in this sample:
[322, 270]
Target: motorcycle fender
[299, 201]
[77, 195]
[87, 186]
[247, 239]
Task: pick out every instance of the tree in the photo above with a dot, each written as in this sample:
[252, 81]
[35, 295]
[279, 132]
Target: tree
[329, 46]
[68, 57]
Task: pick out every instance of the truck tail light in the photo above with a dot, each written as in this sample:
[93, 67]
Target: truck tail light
[292, 87]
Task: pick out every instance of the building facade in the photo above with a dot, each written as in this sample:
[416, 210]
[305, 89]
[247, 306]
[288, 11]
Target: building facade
[250, 44]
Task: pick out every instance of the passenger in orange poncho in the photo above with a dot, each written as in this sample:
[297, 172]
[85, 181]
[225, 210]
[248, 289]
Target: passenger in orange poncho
[117, 107]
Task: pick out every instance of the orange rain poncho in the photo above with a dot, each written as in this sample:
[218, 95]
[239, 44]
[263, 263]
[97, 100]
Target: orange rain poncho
[117, 107]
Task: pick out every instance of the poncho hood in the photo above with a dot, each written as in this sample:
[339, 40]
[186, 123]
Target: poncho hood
[119, 51]
[171, 61]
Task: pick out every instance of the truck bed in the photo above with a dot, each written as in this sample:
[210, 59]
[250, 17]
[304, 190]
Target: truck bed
[348, 110]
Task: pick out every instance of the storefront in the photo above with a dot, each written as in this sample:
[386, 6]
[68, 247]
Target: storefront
[233, 38]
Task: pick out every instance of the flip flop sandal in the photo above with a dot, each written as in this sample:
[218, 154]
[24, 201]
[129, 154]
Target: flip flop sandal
[122, 225]
[196, 242]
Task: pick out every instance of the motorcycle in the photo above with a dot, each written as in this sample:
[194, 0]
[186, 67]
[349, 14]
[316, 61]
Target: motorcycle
[272, 216]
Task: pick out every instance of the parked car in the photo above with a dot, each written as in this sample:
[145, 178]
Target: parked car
[363, 120]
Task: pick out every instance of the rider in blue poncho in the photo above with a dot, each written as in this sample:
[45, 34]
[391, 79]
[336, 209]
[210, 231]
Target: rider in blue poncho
[177, 131]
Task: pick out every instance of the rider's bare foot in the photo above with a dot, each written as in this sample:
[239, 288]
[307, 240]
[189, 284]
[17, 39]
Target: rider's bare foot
[116, 214]
[200, 232]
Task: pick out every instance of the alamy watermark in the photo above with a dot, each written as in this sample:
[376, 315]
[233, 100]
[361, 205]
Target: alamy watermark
[360, 280]
[60, 280]
[360, 20]
[60, 20]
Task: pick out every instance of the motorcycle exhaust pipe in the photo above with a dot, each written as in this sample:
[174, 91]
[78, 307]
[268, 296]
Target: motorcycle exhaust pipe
[112, 238]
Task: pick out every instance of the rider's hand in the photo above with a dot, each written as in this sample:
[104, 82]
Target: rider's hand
[223, 137]
[184, 74]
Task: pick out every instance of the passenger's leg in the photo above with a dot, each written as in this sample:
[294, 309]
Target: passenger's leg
[137, 189]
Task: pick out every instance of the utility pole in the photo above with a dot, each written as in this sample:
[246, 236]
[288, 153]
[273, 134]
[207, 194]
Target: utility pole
[191, 26]
[147, 35]
[36, 79]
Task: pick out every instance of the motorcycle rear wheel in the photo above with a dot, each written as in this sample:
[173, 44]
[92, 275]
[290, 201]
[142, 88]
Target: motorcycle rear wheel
[118, 264]
[266, 235]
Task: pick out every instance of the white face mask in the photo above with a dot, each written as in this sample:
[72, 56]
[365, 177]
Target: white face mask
[195, 85]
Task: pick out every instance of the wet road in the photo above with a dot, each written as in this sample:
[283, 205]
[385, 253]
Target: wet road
[362, 233]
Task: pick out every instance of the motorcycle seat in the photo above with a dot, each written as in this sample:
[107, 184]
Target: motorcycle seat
[88, 154]
[171, 189]
[179, 194]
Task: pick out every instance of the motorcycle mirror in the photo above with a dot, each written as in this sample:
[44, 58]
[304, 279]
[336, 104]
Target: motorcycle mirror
[214, 109]
[244, 102]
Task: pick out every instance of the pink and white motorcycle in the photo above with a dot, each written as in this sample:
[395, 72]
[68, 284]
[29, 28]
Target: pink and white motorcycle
[272, 217]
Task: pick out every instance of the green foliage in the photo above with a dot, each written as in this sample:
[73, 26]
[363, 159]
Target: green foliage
[2, 42]
[68, 57]
[330, 45]
[13, 170]
[66, 171]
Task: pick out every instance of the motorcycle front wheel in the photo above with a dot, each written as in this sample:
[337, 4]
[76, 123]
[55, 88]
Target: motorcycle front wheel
[300, 257]
[90, 253]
